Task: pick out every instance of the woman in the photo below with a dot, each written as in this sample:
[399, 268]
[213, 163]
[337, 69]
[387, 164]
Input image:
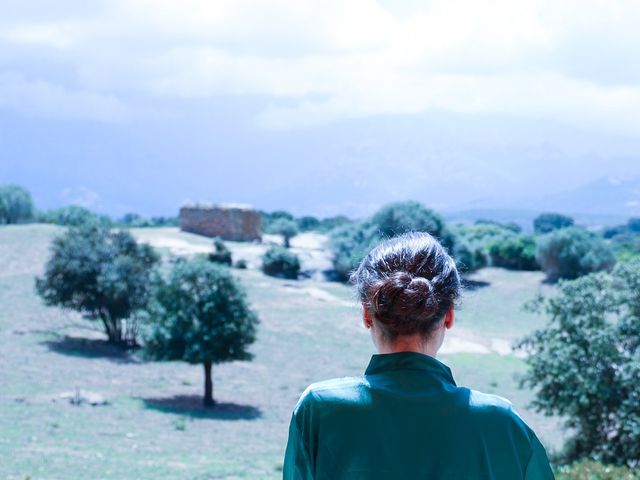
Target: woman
[406, 418]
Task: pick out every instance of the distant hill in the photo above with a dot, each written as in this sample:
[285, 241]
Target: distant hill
[604, 202]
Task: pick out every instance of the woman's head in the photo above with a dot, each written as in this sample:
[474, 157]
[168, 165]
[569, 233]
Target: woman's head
[407, 284]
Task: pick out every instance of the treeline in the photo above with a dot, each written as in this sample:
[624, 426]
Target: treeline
[17, 206]
[557, 246]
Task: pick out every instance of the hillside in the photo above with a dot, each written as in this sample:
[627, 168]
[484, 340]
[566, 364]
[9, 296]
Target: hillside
[153, 427]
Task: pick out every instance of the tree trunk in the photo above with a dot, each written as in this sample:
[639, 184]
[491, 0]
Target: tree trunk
[208, 386]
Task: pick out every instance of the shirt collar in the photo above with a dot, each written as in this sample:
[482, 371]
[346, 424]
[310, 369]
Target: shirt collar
[384, 362]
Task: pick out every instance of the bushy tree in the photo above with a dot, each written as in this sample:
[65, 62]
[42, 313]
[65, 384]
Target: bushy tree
[572, 252]
[548, 222]
[308, 223]
[16, 205]
[349, 244]
[277, 261]
[329, 223]
[200, 315]
[285, 227]
[469, 257]
[102, 274]
[397, 218]
[585, 364]
[73, 215]
[221, 254]
[515, 252]
[634, 225]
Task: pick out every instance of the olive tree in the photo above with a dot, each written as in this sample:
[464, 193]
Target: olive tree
[199, 314]
[101, 273]
[397, 218]
[571, 252]
[585, 364]
[285, 227]
[16, 204]
[548, 222]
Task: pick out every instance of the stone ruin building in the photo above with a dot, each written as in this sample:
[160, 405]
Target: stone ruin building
[229, 222]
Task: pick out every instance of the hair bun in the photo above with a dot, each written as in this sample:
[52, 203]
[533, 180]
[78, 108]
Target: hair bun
[400, 300]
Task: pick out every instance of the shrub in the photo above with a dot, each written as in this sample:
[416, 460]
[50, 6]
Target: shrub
[102, 274]
[221, 253]
[349, 244]
[469, 258]
[548, 222]
[16, 205]
[585, 364]
[285, 227]
[241, 264]
[634, 225]
[400, 217]
[308, 223]
[73, 215]
[590, 470]
[279, 262]
[200, 315]
[572, 252]
[515, 252]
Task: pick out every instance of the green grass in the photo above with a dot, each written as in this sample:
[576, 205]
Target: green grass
[153, 426]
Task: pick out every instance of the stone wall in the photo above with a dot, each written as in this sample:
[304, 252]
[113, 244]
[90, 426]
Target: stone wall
[227, 222]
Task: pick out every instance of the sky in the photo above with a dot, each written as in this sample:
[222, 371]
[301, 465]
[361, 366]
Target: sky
[318, 108]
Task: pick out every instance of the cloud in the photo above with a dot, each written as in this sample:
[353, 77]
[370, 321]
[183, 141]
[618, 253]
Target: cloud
[322, 61]
[41, 98]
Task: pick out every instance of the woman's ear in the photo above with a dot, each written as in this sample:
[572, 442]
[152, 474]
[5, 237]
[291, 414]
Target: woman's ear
[449, 318]
[366, 317]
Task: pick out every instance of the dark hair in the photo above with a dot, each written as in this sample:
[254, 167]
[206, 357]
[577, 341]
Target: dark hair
[408, 284]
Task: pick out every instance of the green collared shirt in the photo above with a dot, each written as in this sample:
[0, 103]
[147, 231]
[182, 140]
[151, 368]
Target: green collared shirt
[407, 419]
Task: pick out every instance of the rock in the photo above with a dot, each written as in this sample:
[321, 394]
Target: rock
[81, 397]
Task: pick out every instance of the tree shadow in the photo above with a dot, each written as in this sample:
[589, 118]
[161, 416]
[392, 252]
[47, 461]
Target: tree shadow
[191, 406]
[472, 285]
[91, 348]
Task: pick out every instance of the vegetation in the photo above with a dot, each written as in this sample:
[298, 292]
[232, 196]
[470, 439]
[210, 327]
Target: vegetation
[221, 254]
[349, 244]
[585, 364]
[72, 215]
[590, 470]
[138, 221]
[285, 227]
[16, 205]
[515, 252]
[548, 222]
[277, 261]
[102, 274]
[200, 315]
[571, 252]
[397, 218]
[469, 257]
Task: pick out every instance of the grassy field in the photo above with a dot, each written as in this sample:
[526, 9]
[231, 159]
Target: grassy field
[153, 426]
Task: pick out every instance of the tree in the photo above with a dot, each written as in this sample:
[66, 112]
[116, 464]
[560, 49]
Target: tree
[515, 252]
[221, 253]
[285, 227]
[277, 261]
[16, 204]
[548, 222]
[102, 274]
[200, 315]
[634, 225]
[308, 223]
[572, 252]
[397, 218]
[73, 215]
[585, 364]
[349, 244]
